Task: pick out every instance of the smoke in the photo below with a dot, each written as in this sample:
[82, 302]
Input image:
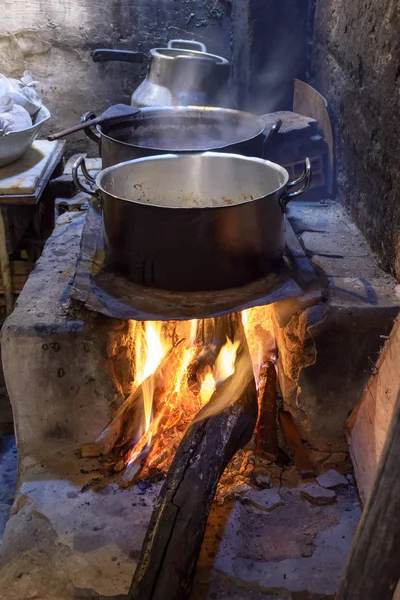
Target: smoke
[271, 88]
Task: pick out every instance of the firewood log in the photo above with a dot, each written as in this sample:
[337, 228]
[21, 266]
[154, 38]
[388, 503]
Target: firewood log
[175, 534]
[125, 426]
[211, 336]
[267, 435]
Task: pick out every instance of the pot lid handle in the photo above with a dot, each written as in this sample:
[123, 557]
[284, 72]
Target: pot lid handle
[187, 45]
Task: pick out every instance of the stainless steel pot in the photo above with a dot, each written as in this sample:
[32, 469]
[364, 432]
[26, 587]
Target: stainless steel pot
[184, 73]
[194, 222]
[178, 129]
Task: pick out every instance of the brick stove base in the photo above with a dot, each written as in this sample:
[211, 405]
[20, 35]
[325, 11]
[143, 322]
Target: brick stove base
[73, 544]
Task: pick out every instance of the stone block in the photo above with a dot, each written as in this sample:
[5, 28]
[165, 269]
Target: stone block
[332, 480]
[318, 495]
[54, 356]
[325, 244]
[340, 335]
[265, 500]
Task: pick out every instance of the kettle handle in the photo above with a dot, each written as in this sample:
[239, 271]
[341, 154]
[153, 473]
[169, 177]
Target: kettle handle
[187, 45]
[106, 54]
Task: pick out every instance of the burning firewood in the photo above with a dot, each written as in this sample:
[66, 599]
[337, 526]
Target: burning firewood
[175, 534]
[211, 335]
[300, 456]
[125, 426]
[267, 437]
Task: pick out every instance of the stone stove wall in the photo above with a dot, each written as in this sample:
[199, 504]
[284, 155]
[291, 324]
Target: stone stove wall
[356, 65]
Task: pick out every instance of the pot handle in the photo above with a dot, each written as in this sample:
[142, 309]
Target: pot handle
[106, 54]
[90, 131]
[80, 162]
[305, 176]
[187, 45]
[274, 130]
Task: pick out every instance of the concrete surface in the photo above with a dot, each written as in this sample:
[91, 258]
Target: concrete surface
[331, 348]
[68, 541]
[297, 551]
[356, 65]
[52, 358]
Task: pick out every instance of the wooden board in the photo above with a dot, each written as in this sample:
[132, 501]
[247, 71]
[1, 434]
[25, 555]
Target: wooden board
[23, 181]
[368, 424]
[307, 101]
[372, 571]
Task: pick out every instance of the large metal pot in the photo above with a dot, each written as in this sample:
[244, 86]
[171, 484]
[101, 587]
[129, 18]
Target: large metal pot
[194, 222]
[184, 73]
[178, 129]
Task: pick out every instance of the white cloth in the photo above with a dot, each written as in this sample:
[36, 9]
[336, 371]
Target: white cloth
[22, 92]
[13, 117]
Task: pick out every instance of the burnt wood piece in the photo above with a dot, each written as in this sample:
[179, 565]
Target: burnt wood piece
[372, 570]
[123, 430]
[210, 337]
[296, 446]
[267, 434]
[175, 534]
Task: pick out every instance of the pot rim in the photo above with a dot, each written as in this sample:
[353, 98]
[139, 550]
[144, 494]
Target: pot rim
[158, 53]
[186, 109]
[261, 161]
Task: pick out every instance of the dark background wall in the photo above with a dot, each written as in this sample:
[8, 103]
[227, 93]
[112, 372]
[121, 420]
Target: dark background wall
[278, 51]
[355, 64]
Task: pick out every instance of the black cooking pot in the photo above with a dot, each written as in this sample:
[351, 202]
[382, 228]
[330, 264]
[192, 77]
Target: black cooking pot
[194, 221]
[182, 129]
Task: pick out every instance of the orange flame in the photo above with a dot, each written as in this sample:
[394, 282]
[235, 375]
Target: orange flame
[225, 363]
[207, 388]
[178, 403]
[150, 350]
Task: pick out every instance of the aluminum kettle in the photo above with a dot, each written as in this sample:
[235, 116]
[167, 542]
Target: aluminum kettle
[182, 74]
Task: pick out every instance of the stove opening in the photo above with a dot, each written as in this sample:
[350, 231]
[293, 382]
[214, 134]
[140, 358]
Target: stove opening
[168, 374]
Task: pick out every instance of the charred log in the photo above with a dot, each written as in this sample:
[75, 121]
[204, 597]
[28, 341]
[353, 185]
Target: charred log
[300, 456]
[267, 434]
[124, 428]
[175, 534]
[211, 335]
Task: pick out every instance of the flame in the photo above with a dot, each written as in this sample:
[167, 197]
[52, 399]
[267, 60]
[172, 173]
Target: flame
[187, 357]
[225, 363]
[166, 416]
[258, 327]
[207, 388]
[150, 350]
[193, 331]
